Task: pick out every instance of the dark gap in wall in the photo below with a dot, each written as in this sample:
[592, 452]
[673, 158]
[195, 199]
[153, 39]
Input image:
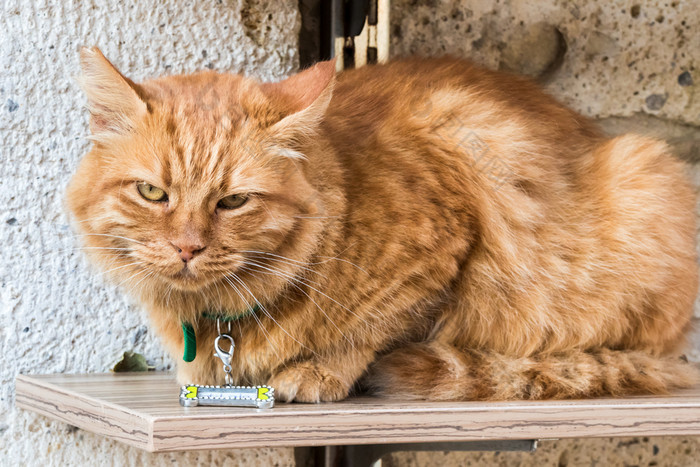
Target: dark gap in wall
[322, 21]
[314, 27]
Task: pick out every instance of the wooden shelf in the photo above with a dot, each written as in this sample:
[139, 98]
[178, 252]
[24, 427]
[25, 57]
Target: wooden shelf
[142, 409]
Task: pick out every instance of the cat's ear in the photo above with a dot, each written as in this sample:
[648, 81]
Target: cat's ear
[304, 98]
[114, 101]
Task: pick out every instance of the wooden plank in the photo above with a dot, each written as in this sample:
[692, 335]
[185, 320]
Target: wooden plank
[142, 409]
[84, 410]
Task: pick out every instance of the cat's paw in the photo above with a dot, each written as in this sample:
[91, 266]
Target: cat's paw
[308, 382]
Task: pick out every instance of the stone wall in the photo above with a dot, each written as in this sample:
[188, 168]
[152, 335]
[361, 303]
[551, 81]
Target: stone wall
[633, 65]
[57, 315]
[606, 59]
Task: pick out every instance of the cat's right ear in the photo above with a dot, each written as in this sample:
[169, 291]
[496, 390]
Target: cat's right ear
[114, 101]
[305, 98]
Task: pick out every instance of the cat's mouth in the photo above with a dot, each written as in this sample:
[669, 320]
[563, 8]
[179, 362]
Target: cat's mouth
[185, 273]
[185, 278]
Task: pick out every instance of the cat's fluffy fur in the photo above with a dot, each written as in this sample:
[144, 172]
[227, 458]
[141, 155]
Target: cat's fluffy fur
[427, 227]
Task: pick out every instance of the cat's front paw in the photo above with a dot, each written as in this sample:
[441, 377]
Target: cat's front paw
[308, 382]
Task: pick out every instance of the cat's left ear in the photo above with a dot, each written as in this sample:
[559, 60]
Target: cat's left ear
[114, 101]
[304, 98]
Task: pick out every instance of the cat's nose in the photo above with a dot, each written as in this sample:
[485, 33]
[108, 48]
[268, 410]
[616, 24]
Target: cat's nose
[187, 252]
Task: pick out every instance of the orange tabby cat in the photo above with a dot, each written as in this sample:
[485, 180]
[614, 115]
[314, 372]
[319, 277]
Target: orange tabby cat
[427, 227]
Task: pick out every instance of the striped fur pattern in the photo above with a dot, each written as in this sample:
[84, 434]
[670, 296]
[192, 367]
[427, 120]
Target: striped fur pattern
[425, 228]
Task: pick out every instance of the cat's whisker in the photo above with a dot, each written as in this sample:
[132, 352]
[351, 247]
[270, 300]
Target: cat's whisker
[228, 293]
[84, 248]
[331, 258]
[257, 320]
[113, 236]
[167, 295]
[283, 259]
[270, 213]
[210, 298]
[92, 219]
[322, 311]
[304, 268]
[142, 279]
[103, 274]
[267, 253]
[269, 315]
[218, 292]
[121, 267]
[286, 275]
[133, 276]
[291, 279]
[338, 258]
[328, 258]
[303, 281]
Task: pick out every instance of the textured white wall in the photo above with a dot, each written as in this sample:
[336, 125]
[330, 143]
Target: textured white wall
[56, 314]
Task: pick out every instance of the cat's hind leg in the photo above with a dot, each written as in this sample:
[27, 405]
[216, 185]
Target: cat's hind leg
[438, 371]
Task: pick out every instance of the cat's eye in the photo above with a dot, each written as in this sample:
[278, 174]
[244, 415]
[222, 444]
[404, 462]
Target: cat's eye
[232, 201]
[150, 192]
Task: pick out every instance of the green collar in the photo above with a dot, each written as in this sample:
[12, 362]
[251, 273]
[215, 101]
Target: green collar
[191, 339]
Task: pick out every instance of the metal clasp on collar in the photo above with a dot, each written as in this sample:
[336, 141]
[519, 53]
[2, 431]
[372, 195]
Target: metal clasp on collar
[223, 355]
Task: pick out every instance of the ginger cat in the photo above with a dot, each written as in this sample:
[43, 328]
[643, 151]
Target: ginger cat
[428, 228]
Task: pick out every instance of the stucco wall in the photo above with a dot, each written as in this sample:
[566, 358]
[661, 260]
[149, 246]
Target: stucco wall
[56, 314]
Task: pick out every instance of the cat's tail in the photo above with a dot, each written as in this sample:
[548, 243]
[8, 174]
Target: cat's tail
[437, 371]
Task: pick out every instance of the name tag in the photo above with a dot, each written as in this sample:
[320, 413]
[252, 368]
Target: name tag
[262, 397]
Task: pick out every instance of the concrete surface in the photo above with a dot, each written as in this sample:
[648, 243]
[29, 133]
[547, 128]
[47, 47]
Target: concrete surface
[619, 58]
[56, 315]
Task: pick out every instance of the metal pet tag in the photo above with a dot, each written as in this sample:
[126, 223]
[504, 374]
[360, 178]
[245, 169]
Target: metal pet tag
[262, 397]
[191, 395]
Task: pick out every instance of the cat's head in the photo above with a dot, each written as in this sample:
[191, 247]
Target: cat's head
[189, 175]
